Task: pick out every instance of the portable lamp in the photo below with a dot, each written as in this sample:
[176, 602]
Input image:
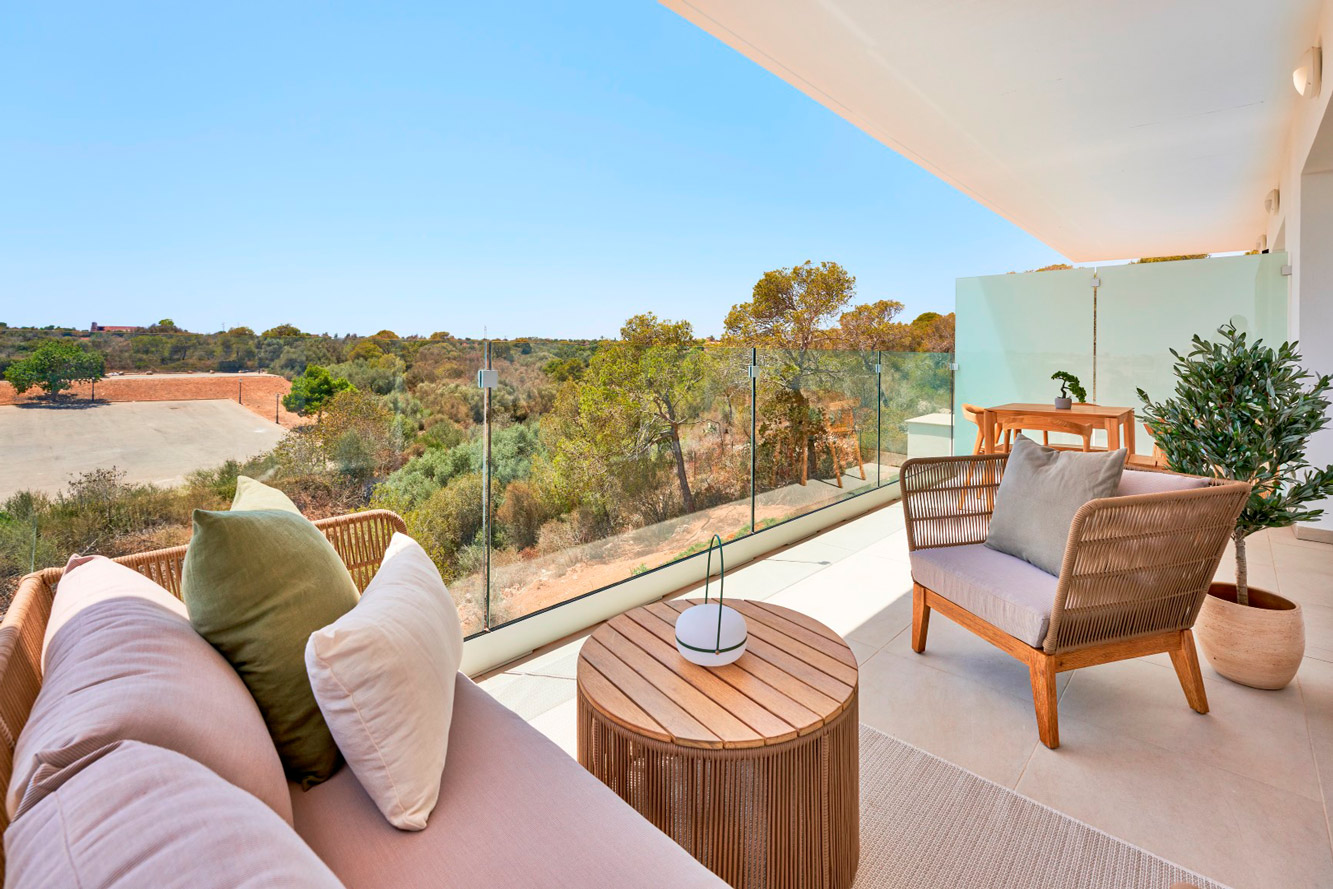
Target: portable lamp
[711, 634]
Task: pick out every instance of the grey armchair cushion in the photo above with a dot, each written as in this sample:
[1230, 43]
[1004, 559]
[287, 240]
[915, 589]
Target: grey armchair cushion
[1005, 592]
[1041, 491]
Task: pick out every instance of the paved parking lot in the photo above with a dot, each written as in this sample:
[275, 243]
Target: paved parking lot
[42, 447]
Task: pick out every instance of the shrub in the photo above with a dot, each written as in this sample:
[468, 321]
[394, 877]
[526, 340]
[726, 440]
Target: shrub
[521, 515]
[447, 522]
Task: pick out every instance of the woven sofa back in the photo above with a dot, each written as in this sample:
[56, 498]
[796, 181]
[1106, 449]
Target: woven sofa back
[360, 539]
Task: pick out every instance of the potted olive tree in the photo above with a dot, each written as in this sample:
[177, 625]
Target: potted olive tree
[1246, 411]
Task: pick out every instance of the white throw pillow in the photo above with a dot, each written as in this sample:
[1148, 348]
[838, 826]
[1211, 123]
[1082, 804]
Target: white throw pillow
[88, 580]
[383, 675]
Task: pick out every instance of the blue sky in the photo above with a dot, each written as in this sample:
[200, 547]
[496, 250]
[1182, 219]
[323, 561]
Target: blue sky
[536, 169]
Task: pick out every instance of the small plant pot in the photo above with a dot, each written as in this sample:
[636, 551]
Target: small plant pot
[1063, 404]
[1260, 644]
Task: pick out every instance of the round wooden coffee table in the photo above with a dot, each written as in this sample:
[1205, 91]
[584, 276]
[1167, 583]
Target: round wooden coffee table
[752, 767]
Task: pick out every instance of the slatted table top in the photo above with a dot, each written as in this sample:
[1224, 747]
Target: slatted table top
[796, 675]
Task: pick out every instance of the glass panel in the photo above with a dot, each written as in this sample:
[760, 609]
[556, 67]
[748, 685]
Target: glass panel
[916, 418]
[637, 456]
[1182, 299]
[817, 430]
[1013, 332]
[437, 488]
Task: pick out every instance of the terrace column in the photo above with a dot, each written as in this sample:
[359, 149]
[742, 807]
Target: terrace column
[1312, 294]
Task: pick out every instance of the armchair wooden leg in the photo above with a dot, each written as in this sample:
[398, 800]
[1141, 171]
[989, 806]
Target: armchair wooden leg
[1186, 661]
[1044, 699]
[920, 618]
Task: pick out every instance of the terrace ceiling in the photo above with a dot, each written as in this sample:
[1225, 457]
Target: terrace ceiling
[1109, 129]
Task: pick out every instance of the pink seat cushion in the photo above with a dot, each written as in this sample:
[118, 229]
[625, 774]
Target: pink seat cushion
[514, 811]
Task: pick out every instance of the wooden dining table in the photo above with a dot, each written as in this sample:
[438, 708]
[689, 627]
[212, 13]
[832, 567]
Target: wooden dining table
[1118, 422]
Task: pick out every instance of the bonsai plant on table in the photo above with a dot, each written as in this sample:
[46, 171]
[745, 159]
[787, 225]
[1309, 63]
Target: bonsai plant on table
[1069, 384]
[1245, 411]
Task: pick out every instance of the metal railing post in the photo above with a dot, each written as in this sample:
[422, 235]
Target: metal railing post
[486, 380]
[879, 417]
[754, 435]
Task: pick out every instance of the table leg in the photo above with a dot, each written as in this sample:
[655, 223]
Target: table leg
[1112, 434]
[1129, 432]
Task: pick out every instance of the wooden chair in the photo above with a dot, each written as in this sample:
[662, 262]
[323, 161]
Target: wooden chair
[1135, 572]
[973, 413]
[360, 539]
[841, 438]
[1156, 461]
[1011, 426]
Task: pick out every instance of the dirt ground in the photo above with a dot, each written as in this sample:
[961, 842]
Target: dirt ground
[260, 393]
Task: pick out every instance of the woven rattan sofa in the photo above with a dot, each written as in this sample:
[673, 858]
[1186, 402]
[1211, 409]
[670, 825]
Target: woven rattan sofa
[514, 809]
[1135, 571]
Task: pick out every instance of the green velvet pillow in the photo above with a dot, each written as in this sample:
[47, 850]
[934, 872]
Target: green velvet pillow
[251, 494]
[257, 583]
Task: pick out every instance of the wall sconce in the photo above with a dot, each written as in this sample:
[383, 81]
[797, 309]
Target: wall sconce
[1308, 73]
[1273, 202]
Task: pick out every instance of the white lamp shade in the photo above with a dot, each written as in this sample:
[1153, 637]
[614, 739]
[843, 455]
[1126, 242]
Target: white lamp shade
[697, 637]
[1308, 73]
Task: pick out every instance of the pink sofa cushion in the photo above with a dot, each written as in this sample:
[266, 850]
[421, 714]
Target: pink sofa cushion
[129, 669]
[513, 811]
[98, 579]
[133, 815]
[1139, 481]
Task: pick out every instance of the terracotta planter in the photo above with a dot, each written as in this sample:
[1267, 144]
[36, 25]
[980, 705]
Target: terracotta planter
[1260, 644]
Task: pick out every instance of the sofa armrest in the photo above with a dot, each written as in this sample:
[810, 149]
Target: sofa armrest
[1141, 564]
[947, 501]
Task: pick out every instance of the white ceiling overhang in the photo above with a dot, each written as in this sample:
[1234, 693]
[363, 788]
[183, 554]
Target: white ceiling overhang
[1109, 129]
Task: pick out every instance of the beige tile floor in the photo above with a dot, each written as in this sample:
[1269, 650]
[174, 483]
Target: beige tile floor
[1241, 795]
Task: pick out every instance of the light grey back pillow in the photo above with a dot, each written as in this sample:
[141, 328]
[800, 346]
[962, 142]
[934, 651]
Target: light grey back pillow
[1041, 491]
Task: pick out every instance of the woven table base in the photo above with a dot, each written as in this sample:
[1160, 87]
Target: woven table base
[784, 816]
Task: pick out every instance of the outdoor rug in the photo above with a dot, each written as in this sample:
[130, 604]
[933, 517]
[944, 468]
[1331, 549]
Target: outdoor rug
[927, 824]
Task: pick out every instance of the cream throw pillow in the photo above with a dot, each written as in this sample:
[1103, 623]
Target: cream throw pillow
[383, 676]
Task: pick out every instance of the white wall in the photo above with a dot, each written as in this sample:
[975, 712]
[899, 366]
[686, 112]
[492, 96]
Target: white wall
[1304, 227]
[1314, 302]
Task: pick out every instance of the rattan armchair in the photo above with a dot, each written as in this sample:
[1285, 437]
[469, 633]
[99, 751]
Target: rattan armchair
[1135, 571]
[360, 539]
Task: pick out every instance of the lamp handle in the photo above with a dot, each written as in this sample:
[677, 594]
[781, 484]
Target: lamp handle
[721, 569]
[721, 581]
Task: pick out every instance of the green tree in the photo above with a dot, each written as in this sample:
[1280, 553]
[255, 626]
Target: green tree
[648, 378]
[934, 332]
[56, 365]
[313, 389]
[792, 310]
[1246, 412]
[873, 326]
[284, 330]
